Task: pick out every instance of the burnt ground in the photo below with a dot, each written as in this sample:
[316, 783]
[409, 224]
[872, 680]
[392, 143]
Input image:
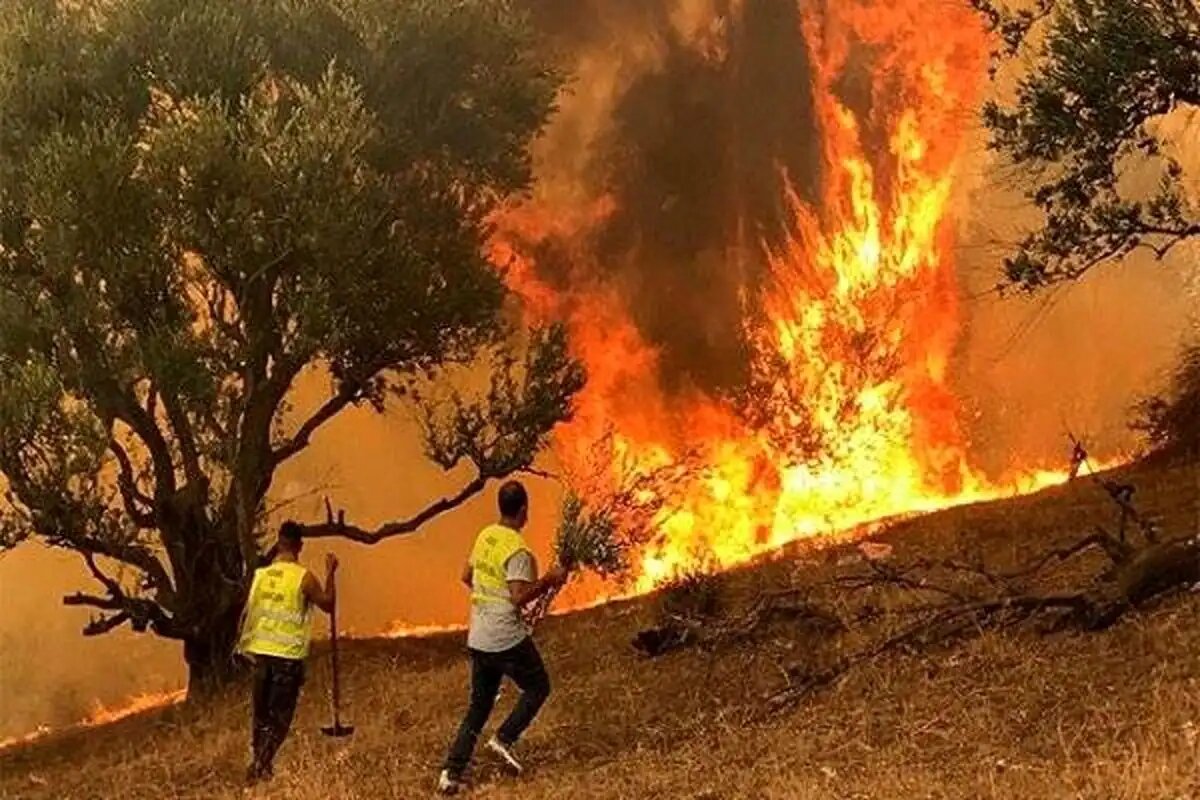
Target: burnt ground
[1018, 713]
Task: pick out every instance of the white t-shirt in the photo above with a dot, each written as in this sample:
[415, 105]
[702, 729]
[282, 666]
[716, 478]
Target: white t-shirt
[496, 627]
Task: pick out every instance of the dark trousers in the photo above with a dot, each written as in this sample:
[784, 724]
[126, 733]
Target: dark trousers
[277, 683]
[523, 664]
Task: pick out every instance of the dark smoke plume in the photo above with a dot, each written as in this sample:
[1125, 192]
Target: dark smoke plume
[695, 156]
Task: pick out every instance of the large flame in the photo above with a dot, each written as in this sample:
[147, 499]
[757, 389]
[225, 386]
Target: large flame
[848, 416]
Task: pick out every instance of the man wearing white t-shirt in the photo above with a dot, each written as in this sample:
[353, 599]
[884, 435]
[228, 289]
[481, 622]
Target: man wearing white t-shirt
[502, 576]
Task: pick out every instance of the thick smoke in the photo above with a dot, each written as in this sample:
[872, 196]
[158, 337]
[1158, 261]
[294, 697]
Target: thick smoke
[49, 674]
[704, 111]
[708, 113]
[1076, 358]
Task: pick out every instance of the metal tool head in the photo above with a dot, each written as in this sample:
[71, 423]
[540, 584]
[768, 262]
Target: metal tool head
[338, 731]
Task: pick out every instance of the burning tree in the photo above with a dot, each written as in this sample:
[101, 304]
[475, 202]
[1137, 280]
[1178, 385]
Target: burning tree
[1105, 74]
[202, 202]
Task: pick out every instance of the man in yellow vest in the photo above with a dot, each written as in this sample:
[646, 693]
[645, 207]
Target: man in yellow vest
[276, 631]
[502, 577]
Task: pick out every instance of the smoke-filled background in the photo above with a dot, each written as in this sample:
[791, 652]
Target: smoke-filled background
[683, 123]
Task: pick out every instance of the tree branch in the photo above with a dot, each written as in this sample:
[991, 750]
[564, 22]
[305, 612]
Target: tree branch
[131, 554]
[117, 402]
[136, 503]
[339, 528]
[345, 396]
[142, 614]
[182, 427]
[1174, 237]
[114, 588]
[93, 601]
[122, 406]
[254, 465]
[1118, 553]
[884, 575]
[54, 527]
[102, 625]
[541, 473]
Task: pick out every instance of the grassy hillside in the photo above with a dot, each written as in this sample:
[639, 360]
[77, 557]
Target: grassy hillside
[1018, 714]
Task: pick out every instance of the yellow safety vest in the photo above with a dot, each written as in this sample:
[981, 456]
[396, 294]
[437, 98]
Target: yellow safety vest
[494, 546]
[278, 622]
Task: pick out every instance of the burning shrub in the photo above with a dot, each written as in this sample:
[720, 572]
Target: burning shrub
[1170, 419]
[612, 509]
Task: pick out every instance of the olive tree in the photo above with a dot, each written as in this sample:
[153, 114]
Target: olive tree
[1086, 127]
[202, 202]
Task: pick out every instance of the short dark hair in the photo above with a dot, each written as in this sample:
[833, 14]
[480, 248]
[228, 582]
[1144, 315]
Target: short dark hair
[513, 499]
[291, 531]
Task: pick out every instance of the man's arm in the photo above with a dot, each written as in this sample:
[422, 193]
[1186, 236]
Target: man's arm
[323, 597]
[525, 592]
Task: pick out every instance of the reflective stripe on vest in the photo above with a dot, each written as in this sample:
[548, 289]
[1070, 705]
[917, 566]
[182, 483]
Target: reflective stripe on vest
[494, 546]
[278, 622]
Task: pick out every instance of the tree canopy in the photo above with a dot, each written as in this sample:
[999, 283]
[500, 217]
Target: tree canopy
[1087, 125]
[202, 201]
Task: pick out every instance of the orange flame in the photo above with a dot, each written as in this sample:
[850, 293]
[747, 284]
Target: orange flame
[848, 417]
[103, 715]
[405, 630]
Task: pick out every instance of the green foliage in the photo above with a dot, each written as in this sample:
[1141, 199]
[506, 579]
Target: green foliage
[601, 536]
[589, 539]
[502, 430]
[1096, 83]
[201, 200]
[61, 445]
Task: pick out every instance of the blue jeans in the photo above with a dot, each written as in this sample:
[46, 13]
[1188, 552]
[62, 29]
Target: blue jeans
[523, 665]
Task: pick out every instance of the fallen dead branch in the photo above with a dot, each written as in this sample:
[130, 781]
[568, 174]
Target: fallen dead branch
[933, 603]
[1133, 575]
[678, 631]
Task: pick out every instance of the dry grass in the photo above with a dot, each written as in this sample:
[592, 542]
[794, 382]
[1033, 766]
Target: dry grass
[1112, 716]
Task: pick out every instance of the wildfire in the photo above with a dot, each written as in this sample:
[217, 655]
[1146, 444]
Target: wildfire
[103, 715]
[848, 416]
[405, 630]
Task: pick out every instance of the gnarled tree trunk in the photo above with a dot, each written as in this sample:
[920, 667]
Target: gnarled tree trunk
[209, 654]
[215, 581]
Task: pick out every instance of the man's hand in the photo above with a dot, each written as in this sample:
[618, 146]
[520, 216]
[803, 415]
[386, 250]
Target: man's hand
[525, 592]
[331, 563]
[557, 575]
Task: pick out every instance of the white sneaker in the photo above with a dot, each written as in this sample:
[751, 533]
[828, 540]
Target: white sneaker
[506, 755]
[448, 785]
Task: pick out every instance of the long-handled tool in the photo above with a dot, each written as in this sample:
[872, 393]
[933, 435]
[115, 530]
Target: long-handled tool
[337, 729]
